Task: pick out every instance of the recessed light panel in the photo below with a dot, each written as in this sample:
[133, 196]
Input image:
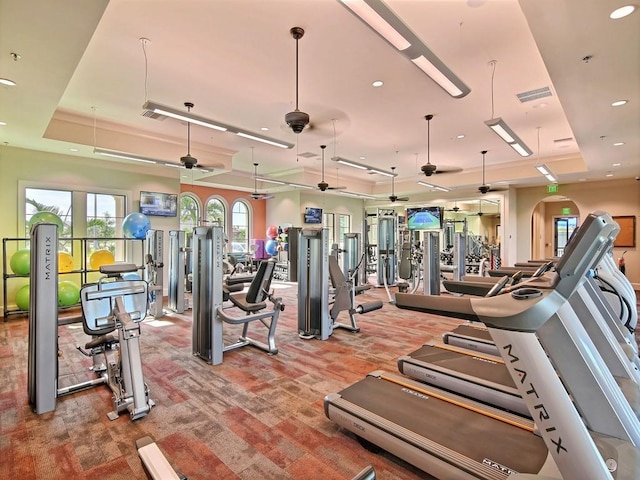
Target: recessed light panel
[622, 12]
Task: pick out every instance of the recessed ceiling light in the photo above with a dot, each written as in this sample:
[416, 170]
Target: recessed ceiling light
[264, 129]
[378, 83]
[460, 136]
[622, 12]
[73, 149]
[619, 103]
[582, 179]
[7, 82]
[616, 164]
[618, 144]
[2, 124]
[363, 158]
[609, 174]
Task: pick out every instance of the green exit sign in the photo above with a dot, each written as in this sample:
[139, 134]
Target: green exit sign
[552, 188]
[566, 211]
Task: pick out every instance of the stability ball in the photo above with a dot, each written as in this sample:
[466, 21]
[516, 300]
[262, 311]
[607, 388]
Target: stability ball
[20, 262]
[22, 298]
[100, 258]
[135, 225]
[65, 262]
[272, 231]
[271, 247]
[46, 217]
[68, 293]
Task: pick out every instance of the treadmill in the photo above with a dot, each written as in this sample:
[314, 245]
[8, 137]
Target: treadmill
[579, 409]
[472, 337]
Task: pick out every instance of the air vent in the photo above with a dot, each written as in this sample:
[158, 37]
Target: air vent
[155, 116]
[534, 94]
[307, 154]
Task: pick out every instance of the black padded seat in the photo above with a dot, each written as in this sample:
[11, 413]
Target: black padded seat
[254, 299]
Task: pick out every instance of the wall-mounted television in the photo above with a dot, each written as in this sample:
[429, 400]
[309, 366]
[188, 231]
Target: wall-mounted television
[159, 204]
[312, 215]
[424, 218]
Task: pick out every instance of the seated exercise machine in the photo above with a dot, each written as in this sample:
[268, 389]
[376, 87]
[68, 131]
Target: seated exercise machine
[179, 269]
[208, 289]
[157, 467]
[315, 320]
[153, 272]
[108, 305]
[585, 427]
[344, 296]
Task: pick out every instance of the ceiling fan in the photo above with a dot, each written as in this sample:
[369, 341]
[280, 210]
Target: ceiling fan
[484, 188]
[188, 161]
[297, 120]
[257, 195]
[323, 186]
[429, 168]
[479, 212]
[393, 197]
[454, 209]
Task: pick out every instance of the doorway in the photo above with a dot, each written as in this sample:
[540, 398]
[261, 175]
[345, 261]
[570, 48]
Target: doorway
[563, 228]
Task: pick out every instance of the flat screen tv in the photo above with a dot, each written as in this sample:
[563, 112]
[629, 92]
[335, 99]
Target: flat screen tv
[159, 204]
[424, 218]
[312, 215]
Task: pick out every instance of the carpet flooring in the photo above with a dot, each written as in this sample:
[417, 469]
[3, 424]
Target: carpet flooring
[255, 416]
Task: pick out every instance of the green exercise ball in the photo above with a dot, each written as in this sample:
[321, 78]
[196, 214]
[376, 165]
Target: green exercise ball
[22, 298]
[20, 262]
[68, 293]
[46, 217]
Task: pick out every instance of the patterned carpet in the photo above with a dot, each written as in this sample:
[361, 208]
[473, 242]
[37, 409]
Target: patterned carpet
[253, 417]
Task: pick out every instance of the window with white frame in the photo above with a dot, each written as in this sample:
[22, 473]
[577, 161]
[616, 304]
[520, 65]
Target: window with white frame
[189, 212]
[216, 212]
[240, 221]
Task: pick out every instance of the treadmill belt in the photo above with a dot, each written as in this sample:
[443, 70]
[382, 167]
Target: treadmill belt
[479, 437]
[469, 331]
[475, 366]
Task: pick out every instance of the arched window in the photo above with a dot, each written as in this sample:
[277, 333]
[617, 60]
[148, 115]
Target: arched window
[240, 222]
[216, 212]
[189, 212]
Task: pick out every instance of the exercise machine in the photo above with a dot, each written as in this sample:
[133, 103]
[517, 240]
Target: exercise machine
[208, 312]
[153, 271]
[387, 224]
[177, 300]
[313, 285]
[108, 305]
[353, 258]
[344, 297]
[588, 428]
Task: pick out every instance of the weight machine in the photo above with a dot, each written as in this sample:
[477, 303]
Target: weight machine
[110, 304]
[208, 313]
[178, 251]
[313, 284]
[153, 272]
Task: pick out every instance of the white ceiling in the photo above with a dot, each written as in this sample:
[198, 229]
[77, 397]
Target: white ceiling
[82, 62]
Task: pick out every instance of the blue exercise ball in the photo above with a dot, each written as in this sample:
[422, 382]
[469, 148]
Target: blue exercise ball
[271, 247]
[135, 225]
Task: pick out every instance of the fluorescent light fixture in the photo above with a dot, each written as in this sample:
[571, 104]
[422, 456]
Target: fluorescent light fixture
[367, 12]
[299, 185]
[269, 180]
[349, 163]
[384, 22]
[619, 103]
[435, 187]
[156, 108]
[259, 138]
[172, 165]
[382, 172]
[357, 195]
[360, 166]
[546, 171]
[440, 78]
[504, 132]
[124, 155]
